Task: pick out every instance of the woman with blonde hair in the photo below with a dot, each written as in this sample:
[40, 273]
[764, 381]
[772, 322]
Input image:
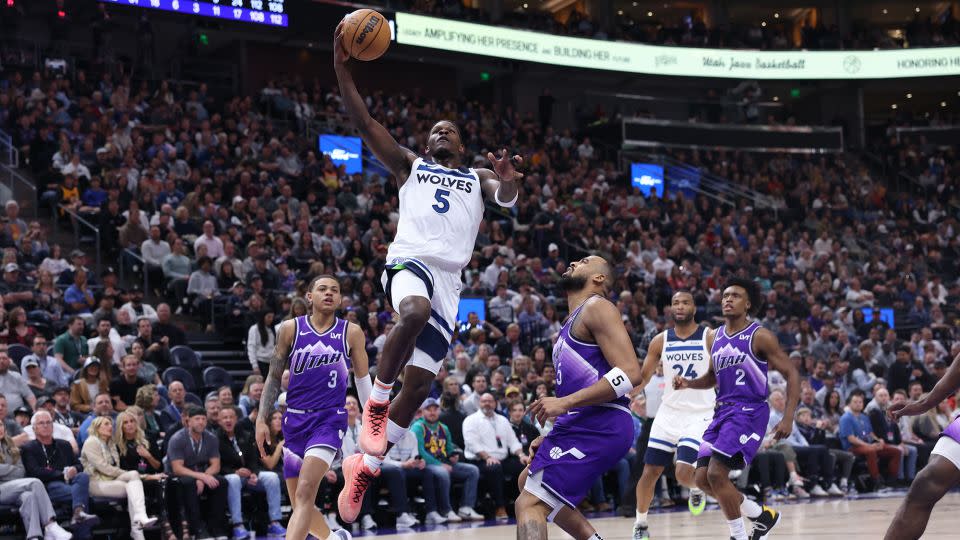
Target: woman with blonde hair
[101, 461]
[137, 453]
[36, 510]
[250, 395]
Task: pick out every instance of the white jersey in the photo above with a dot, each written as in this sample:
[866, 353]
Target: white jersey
[440, 214]
[689, 358]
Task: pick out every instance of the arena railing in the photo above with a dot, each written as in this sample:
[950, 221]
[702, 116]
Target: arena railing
[136, 258]
[79, 222]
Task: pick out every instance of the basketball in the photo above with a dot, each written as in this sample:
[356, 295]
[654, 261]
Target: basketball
[366, 34]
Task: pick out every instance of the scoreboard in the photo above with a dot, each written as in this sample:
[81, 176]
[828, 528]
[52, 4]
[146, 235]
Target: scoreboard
[268, 12]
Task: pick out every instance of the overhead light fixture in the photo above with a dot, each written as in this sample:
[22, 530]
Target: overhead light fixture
[884, 11]
[917, 9]
[524, 6]
[634, 4]
[894, 106]
[776, 98]
[909, 95]
[776, 15]
[943, 103]
[649, 14]
[764, 23]
[620, 12]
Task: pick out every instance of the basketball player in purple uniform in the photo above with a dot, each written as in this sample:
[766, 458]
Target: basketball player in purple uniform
[741, 353]
[596, 367]
[942, 472]
[319, 349]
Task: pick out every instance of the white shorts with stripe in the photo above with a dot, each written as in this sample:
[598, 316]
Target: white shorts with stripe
[443, 290]
[676, 432]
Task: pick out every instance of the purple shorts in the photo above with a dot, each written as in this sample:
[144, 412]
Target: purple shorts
[580, 448]
[736, 429]
[305, 430]
[953, 430]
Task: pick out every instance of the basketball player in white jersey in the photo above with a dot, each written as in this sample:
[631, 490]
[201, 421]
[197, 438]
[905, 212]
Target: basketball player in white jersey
[441, 206]
[683, 416]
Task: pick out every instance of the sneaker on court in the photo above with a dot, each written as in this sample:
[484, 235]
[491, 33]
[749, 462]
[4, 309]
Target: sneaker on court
[697, 502]
[276, 529]
[406, 520]
[818, 491]
[469, 514]
[356, 478]
[765, 523]
[240, 532]
[373, 429]
[343, 534]
[434, 518]
[452, 517]
[367, 523]
[332, 522]
[640, 532]
[834, 491]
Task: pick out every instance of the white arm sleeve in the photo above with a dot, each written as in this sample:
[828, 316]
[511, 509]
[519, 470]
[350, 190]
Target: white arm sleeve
[364, 388]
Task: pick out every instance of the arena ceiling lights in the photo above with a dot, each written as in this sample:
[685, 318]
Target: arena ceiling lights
[529, 46]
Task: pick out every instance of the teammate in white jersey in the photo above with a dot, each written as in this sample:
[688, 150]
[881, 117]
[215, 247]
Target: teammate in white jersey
[684, 415]
[441, 206]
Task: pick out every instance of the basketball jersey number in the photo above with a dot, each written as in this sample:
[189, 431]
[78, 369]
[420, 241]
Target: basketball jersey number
[740, 376]
[442, 203]
[333, 380]
[690, 372]
[558, 376]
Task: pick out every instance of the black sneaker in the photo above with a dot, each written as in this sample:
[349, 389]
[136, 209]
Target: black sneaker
[640, 532]
[762, 526]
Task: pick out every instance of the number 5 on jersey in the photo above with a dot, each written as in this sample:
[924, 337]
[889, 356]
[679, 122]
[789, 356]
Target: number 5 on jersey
[442, 203]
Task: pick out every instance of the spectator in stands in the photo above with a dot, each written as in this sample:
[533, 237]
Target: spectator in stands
[147, 401]
[176, 268]
[202, 286]
[70, 347]
[213, 244]
[123, 388]
[49, 366]
[193, 458]
[261, 341]
[856, 436]
[240, 465]
[153, 250]
[888, 431]
[509, 346]
[12, 384]
[105, 332]
[102, 407]
[136, 309]
[101, 460]
[493, 447]
[164, 327]
[522, 428]
[87, 386]
[442, 458]
[40, 386]
[212, 407]
[136, 451]
[18, 331]
[36, 510]
[172, 414]
[14, 291]
[250, 394]
[470, 400]
[14, 429]
[53, 462]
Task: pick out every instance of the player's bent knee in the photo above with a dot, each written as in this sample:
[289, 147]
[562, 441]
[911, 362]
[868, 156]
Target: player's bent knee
[414, 311]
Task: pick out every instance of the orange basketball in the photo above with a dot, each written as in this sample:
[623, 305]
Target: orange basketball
[366, 34]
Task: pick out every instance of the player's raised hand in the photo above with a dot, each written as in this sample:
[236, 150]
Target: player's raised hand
[340, 52]
[505, 166]
[547, 407]
[534, 446]
[897, 410]
[262, 434]
[783, 429]
[679, 383]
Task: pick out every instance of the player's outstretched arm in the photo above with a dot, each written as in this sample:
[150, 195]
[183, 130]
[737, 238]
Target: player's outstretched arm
[359, 362]
[650, 361]
[944, 389]
[271, 384]
[766, 344]
[602, 320]
[395, 157]
[501, 185]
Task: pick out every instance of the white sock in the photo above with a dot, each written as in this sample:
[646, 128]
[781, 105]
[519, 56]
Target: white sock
[750, 509]
[596, 536]
[395, 431]
[373, 463]
[381, 390]
[641, 518]
[333, 536]
[737, 530]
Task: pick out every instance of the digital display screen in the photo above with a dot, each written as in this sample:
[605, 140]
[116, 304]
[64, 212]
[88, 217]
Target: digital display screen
[886, 315]
[268, 12]
[471, 305]
[343, 151]
[648, 177]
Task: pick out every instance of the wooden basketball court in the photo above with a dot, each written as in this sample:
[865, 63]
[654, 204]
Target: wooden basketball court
[845, 519]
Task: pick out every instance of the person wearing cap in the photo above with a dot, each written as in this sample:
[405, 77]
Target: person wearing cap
[62, 414]
[444, 461]
[87, 386]
[40, 386]
[12, 384]
[13, 291]
[136, 308]
[193, 460]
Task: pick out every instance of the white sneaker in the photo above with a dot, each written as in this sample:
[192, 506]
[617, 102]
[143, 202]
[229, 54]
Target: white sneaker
[469, 514]
[734, 474]
[367, 523]
[343, 534]
[434, 518]
[53, 531]
[332, 522]
[818, 491]
[452, 517]
[145, 523]
[406, 521]
[834, 491]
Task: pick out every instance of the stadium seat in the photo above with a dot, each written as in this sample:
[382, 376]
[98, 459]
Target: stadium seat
[185, 357]
[214, 377]
[175, 373]
[193, 399]
[16, 352]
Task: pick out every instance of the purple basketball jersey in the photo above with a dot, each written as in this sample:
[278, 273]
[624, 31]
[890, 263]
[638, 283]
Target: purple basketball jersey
[741, 376]
[953, 430]
[578, 364]
[319, 366]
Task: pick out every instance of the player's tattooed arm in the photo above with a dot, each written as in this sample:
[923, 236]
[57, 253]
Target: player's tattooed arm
[396, 158]
[767, 345]
[271, 384]
[501, 185]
